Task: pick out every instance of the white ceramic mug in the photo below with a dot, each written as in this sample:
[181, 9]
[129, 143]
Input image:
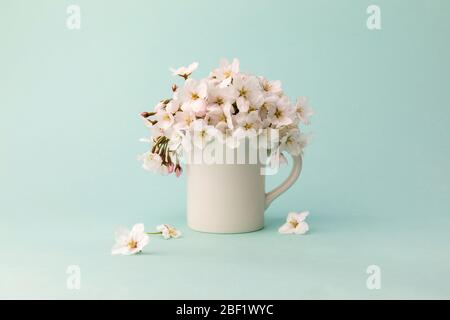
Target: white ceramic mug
[231, 198]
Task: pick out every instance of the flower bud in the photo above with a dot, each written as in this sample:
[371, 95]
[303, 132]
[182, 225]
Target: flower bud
[178, 170]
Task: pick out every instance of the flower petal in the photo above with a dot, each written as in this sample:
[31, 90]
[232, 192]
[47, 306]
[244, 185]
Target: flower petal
[302, 216]
[118, 249]
[165, 233]
[138, 237]
[292, 216]
[133, 251]
[121, 235]
[193, 66]
[235, 65]
[286, 228]
[302, 228]
[176, 233]
[143, 241]
[137, 229]
[161, 227]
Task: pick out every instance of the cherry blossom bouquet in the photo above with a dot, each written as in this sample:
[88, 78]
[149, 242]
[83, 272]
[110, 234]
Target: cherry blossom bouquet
[226, 106]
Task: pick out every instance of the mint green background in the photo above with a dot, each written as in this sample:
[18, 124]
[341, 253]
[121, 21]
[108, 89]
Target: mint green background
[376, 179]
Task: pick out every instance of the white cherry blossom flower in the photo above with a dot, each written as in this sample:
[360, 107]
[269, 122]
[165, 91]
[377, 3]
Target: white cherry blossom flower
[291, 142]
[173, 106]
[193, 96]
[151, 161]
[281, 114]
[185, 72]
[165, 119]
[219, 97]
[294, 141]
[176, 140]
[248, 123]
[130, 242]
[225, 74]
[184, 119]
[220, 117]
[266, 110]
[248, 92]
[271, 88]
[168, 231]
[229, 105]
[303, 110]
[202, 133]
[295, 223]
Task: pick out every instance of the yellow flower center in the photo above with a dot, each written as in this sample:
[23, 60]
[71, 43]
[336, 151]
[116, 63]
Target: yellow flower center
[227, 73]
[278, 113]
[132, 244]
[294, 223]
[194, 96]
[219, 101]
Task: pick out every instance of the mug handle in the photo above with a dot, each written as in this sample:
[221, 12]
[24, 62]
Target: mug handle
[293, 176]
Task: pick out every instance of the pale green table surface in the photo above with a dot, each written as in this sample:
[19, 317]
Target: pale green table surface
[376, 178]
[328, 263]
